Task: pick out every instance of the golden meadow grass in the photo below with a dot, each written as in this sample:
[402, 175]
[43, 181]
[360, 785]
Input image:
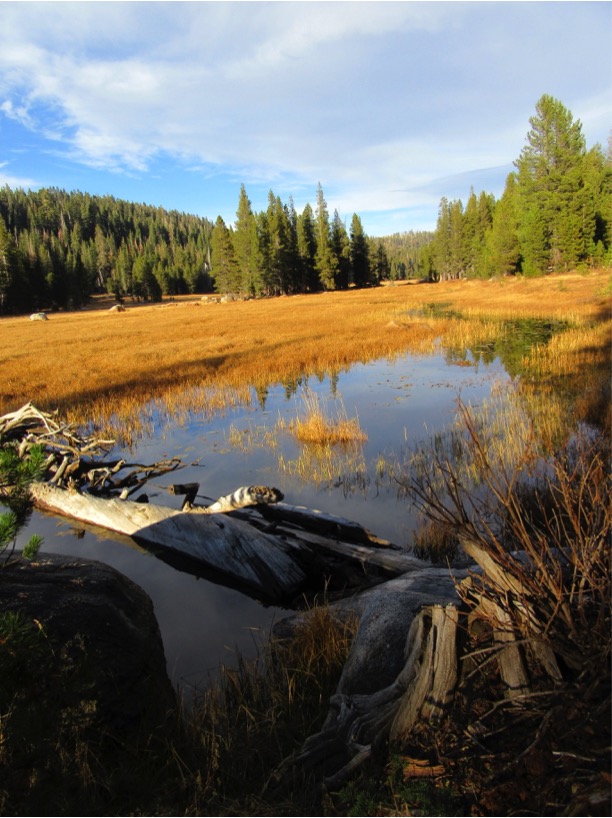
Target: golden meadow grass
[322, 424]
[191, 356]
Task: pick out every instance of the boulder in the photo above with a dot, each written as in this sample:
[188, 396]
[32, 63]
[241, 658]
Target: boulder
[102, 629]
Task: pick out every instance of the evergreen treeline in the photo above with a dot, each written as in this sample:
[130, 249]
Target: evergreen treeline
[404, 253]
[279, 251]
[58, 248]
[554, 215]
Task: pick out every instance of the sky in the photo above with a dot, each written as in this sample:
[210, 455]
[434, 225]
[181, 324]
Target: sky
[388, 105]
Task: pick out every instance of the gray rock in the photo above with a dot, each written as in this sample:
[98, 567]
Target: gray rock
[102, 627]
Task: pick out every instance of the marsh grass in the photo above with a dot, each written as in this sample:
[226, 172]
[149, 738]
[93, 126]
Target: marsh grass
[330, 444]
[321, 424]
[94, 364]
[251, 437]
[341, 466]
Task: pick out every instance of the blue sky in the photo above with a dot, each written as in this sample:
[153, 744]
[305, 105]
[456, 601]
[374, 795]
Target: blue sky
[389, 105]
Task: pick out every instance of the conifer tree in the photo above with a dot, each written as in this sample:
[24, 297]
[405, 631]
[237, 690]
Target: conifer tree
[225, 269]
[325, 261]
[8, 264]
[502, 251]
[307, 248]
[276, 274]
[246, 246]
[340, 248]
[359, 254]
[550, 178]
[381, 267]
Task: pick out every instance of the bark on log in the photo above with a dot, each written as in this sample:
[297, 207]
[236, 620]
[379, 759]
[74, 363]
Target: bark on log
[265, 565]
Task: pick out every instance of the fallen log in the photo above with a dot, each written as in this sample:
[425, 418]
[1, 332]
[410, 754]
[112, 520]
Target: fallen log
[272, 565]
[265, 565]
[327, 524]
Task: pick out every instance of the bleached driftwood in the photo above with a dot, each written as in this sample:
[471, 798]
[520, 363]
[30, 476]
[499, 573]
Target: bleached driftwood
[273, 565]
[265, 565]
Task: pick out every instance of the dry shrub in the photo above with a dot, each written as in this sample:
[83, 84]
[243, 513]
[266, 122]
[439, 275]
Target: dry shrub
[539, 522]
[505, 494]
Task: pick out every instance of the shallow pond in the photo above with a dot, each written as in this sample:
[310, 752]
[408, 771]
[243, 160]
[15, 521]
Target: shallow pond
[397, 403]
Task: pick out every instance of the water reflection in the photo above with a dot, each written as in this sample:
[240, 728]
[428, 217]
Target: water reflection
[398, 402]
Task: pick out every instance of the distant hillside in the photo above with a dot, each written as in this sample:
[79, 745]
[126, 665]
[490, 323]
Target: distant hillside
[59, 248]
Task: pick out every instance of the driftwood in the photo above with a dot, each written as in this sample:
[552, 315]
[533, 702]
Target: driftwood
[272, 565]
[260, 563]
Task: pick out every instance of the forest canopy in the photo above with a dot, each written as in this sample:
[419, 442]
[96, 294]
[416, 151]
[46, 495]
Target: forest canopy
[57, 249]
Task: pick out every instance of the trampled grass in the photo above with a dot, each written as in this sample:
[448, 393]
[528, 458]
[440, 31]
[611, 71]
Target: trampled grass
[193, 356]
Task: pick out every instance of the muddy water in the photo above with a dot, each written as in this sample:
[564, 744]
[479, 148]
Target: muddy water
[397, 403]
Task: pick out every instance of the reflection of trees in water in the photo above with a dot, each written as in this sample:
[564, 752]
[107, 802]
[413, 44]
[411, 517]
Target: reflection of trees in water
[514, 343]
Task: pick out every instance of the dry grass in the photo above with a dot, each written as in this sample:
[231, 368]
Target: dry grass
[192, 356]
[322, 425]
[256, 715]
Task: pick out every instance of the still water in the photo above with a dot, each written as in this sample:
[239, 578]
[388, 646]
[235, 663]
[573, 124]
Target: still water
[203, 624]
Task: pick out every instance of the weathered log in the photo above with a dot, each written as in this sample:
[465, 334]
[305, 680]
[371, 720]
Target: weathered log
[323, 523]
[265, 565]
[381, 555]
[388, 562]
[269, 565]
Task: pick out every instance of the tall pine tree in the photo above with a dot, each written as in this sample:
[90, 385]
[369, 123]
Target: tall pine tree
[551, 166]
[246, 244]
[360, 255]
[325, 261]
[340, 248]
[225, 268]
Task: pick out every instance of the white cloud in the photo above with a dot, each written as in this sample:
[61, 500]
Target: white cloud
[377, 100]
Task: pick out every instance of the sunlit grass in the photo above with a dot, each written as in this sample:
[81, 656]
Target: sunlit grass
[108, 366]
[320, 423]
[330, 443]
